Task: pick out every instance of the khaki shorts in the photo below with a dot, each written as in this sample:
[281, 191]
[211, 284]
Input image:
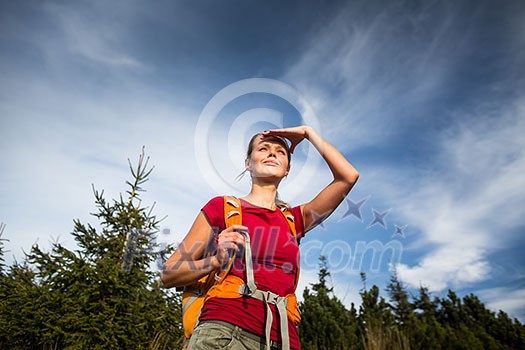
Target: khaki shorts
[222, 335]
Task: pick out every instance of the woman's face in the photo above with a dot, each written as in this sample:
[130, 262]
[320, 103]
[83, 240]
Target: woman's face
[269, 159]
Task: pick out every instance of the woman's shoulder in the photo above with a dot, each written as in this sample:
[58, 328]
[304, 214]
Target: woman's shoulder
[216, 199]
[215, 202]
[214, 211]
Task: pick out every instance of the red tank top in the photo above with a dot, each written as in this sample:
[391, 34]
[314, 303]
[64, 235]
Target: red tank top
[275, 255]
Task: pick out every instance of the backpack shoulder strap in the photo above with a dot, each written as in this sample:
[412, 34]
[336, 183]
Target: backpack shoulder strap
[290, 220]
[232, 211]
[232, 216]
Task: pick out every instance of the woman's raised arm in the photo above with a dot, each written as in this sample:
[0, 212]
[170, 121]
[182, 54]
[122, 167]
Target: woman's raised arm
[344, 174]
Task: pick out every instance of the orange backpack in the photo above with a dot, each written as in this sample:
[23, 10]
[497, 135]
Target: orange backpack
[224, 285]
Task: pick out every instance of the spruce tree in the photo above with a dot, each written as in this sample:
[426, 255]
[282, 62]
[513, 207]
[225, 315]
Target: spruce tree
[400, 303]
[427, 332]
[103, 294]
[326, 324]
[377, 323]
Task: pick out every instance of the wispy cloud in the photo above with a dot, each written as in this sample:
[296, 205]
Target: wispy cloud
[512, 302]
[373, 76]
[471, 204]
[91, 33]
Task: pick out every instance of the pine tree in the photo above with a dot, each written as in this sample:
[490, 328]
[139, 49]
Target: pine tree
[378, 329]
[400, 304]
[507, 331]
[326, 324]
[402, 310]
[427, 333]
[103, 295]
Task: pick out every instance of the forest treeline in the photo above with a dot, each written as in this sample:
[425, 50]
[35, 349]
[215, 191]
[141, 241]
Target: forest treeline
[105, 295]
[402, 321]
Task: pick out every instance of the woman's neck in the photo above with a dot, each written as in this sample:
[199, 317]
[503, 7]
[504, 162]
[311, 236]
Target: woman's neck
[262, 196]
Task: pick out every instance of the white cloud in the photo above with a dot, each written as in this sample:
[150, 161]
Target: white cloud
[506, 299]
[469, 206]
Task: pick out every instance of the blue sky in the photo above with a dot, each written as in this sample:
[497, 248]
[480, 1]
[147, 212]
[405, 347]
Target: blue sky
[425, 98]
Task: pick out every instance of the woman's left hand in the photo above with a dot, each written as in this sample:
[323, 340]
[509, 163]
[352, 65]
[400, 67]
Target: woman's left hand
[294, 134]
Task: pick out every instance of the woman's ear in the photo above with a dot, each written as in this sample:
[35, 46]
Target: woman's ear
[247, 164]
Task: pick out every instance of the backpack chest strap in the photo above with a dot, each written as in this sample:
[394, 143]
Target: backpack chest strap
[281, 303]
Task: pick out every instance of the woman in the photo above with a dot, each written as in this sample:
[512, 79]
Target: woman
[239, 323]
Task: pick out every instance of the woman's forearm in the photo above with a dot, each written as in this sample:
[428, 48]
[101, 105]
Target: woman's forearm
[180, 273]
[341, 169]
[186, 264]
